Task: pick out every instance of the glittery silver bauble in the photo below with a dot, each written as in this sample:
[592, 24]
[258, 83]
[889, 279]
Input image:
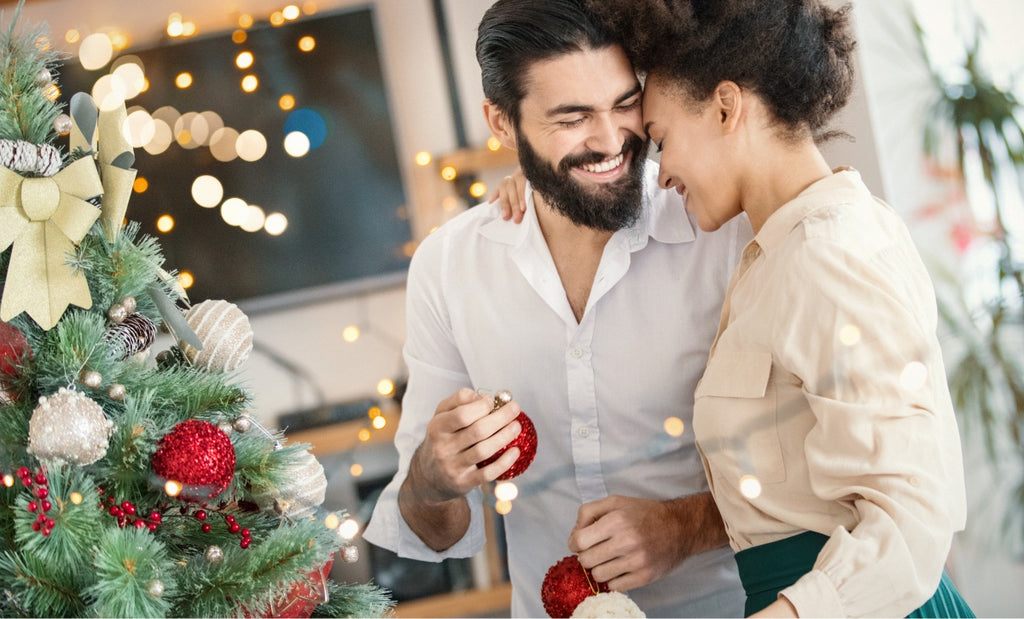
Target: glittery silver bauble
[349, 554]
[242, 424]
[129, 304]
[304, 488]
[117, 312]
[116, 392]
[92, 379]
[62, 124]
[225, 333]
[68, 427]
[502, 398]
[214, 554]
[155, 589]
[225, 427]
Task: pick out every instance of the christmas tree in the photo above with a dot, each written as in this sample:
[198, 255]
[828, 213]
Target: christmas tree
[134, 484]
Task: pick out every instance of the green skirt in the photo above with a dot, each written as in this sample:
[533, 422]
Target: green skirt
[767, 569]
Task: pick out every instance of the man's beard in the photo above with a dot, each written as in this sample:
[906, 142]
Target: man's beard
[609, 207]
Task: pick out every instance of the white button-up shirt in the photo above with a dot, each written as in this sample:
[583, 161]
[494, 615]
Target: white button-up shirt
[826, 386]
[486, 309]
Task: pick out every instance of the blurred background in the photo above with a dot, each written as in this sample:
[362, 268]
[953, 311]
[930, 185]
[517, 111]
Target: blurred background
[291, 157]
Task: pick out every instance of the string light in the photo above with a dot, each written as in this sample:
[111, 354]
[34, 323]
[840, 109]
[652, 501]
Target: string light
[350, 333]
[276, 224]
[286, 102]
[172, 488]
[245, 21]
[449, 173]
[386, 387]
[140, 185]
[493, 144]
[503, 507]
[250, 83]
[244, 60]
[348, 528]
[364, 435]
[8, 480]
[374, 412]
[291, 12]
[356, 469]
[307, 43]
[477, 189]
[423, 158]
[914, 376]
[72, 36]
[331, 521]
[183, 80]
[239, 36]
[379, 423]
[186, 279]
[76, 498]
[165, 223]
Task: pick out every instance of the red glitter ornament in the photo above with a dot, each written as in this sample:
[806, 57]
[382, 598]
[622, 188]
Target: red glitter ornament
[13, 348]
[527, 444]
[197, 455]
[566, 585]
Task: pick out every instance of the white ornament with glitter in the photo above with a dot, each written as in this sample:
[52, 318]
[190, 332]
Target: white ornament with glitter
[68, 427]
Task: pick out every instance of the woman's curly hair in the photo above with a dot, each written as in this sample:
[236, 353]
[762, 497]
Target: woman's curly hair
[797, 55]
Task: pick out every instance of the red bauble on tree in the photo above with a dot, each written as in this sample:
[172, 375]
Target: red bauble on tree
[197, 455]
[13, 348]
[567, 584]
[526, 441]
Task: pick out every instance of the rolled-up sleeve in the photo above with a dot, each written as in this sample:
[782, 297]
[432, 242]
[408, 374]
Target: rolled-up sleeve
[436, 371]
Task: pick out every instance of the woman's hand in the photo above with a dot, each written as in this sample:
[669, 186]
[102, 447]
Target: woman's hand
[511, 195]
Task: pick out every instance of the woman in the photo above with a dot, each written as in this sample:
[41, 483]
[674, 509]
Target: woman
[823, 418]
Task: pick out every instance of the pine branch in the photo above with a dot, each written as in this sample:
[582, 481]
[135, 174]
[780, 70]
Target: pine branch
[25, 111]
[134, 575]
[346, 600]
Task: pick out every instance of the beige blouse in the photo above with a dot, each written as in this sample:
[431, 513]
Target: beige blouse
[824, 405]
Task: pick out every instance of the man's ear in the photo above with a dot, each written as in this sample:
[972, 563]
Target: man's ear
[500, 125]
[728, 99]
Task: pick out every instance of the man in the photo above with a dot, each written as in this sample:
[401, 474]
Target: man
[597, 313]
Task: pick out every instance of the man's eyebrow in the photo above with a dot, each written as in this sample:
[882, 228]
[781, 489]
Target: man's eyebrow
[572, 108]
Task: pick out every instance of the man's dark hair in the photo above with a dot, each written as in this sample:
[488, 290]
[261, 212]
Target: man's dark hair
[514, 34]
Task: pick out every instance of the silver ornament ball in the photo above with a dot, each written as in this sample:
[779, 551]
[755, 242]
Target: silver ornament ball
[68, 427]
[502, 398]
[116, 392]
[117, 312]
[225, 427]
[62, 124]
[92, 379]
[242, 424]
[155, 588]
[129, 304]
[214, 554]
[44, 77]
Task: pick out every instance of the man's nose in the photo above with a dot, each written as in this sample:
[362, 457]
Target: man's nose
[607, 136]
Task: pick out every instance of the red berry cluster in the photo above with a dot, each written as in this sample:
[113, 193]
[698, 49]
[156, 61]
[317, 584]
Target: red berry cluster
[43, 522]
[232, 525]
[129, 515]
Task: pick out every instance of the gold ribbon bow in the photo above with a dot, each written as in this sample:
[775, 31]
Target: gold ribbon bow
[45, 218]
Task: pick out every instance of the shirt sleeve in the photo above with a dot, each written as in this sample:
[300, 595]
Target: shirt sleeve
[858, 328]
[436, 371]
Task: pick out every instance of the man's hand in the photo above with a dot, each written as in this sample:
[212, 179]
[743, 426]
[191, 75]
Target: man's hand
[462, 432]
[629, 542]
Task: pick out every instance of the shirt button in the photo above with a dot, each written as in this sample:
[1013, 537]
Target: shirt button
[584, 432]
[576, 353]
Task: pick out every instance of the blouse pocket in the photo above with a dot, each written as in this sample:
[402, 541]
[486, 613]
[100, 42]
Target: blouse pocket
[735, 416]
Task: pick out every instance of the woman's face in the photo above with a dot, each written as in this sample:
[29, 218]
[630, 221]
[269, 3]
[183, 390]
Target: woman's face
[694, 151]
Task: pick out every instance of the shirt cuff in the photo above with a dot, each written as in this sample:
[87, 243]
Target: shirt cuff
[388, 529]
[814, 595]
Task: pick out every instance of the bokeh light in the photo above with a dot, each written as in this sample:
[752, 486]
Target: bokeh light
[449, 173]
[186, 279]
[307, 43]
[165, 223]
[286, 102]
[750, 486]
[849, 335]
[250, 83]
[364, 435]
[348, 528]
[162, 138]
[223, 144]
[309, 122]
[914, 376]
[356, 469]
[172, 488]
[95, 51]
[423, 158]
[674, 426]
[76, 498]
[477, 189]
[503, 507]
[245, 21]
[183, 80]
[276, 224]
[207, 191]
[251, 145]
[350, 333]
[291, 12]
[493, 144]
[140, 185]
[296, 144]
[506, 491]
[233, 210]
[244, 60]
[386, 386]
[378, 423]
[254, 218]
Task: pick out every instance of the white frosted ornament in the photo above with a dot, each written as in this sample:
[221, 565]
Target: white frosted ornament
[225, 333]
[302, 492]
[68, 427]
[607, 604]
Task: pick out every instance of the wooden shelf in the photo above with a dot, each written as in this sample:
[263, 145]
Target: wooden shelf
[494, 602]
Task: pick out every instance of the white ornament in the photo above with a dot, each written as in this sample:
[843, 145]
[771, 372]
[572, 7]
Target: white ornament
[303, 491]
[68, 427]
[225, 333]
[607, 604]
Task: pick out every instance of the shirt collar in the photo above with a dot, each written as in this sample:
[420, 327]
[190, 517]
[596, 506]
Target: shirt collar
[840, 187]
[662, 217]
